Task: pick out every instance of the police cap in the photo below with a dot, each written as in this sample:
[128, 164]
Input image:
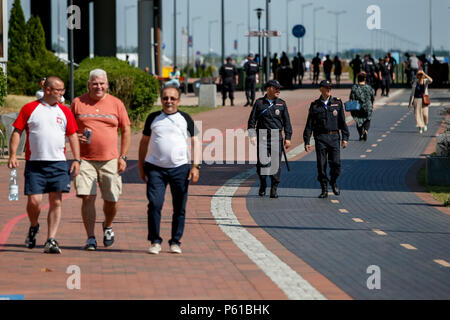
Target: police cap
[325, 83]
[273, 83]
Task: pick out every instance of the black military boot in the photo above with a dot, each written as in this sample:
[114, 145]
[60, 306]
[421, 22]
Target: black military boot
[324, 193]
[335, 188]
[232, 102]
[223, 102]
[273, 190]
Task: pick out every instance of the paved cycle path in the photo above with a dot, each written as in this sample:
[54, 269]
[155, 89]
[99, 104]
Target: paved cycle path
[377, 227]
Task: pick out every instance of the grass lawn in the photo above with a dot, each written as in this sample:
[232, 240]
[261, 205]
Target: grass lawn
[440, 193]
[14, 103]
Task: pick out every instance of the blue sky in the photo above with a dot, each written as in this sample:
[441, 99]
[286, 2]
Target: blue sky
[408, 19]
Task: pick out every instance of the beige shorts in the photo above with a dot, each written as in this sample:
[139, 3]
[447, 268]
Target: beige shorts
[102, 172]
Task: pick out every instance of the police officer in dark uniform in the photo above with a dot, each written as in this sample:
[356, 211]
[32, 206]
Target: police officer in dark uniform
[228, 77]
[325, 118]
[270, 117]
[251, 69]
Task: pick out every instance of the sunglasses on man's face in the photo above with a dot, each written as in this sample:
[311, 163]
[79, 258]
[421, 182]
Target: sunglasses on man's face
[169, 99]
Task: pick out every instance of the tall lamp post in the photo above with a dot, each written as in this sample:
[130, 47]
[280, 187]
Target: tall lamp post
[174, 33]
[303, 22]
[314, 27]
[337, 13]
[268, 40]
[287, 25]
[258, 15]
[223, 32]
[193, 33]
[210, 23]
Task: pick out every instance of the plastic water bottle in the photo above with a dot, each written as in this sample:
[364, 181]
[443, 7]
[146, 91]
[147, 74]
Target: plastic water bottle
[13, 186]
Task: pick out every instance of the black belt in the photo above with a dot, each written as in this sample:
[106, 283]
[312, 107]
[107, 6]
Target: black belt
[328, 132]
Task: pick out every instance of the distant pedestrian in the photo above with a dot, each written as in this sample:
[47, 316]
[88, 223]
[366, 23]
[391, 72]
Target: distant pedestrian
[251, 69]
[316, 62]
[369, 68]
[228, 78]
[326, 118]
[174, 77]
[168, 132]
[385, 74]
[275, 64]
[413, 65]
[270, 117]
[301, 67]
[416, 99]
[356, 64]
[100, 117]
[337, 70]
[295, 68]
[47, 123]
[327, 67]
[365, 95]
[284, 60]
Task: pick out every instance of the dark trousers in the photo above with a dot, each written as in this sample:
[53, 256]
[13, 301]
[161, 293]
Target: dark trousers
[228, 87]
[316, 73]
[328, 151]
[157, 180]
[262, 168]
[250, 88]
[385, 86]
[365, 126]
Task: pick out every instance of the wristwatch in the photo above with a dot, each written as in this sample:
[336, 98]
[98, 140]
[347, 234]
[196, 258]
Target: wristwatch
[198, 166]
[78, 160]
[124, 158]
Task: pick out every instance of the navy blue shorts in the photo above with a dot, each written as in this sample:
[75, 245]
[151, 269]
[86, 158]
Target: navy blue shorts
[46, 176]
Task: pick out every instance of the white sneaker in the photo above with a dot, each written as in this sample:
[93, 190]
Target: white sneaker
[420, 130]
[174, 248]
[425, 129]
[155, 248]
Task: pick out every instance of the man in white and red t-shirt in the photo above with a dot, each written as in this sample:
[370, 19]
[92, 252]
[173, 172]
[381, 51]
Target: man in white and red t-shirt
[102, 114]
[47, 124]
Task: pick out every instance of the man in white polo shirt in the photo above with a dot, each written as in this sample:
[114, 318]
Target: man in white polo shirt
[47, 123]
[168, 132]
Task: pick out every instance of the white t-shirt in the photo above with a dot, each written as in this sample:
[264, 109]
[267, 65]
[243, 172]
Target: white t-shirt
[47, 127]
[169, 133]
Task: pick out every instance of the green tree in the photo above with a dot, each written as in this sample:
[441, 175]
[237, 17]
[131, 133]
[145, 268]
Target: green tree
[18, 50]
[43, 62]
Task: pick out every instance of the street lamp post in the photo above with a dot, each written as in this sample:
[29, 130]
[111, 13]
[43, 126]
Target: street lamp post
[287, 25]
[237, 35]
[174, 32]
[337, 13]
[314, 27]
[223, 32]
[268, 40]
[303, 22]
[209, 34]
[193, 33]
[258, 15]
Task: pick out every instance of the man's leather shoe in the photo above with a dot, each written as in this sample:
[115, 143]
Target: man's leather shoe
[335, 188]
[324, 193]
[262, 191]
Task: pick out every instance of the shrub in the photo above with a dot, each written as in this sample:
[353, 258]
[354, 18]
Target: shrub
[137, 89]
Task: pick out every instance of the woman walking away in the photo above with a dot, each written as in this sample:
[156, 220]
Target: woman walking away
[418, 93]
[365, 95]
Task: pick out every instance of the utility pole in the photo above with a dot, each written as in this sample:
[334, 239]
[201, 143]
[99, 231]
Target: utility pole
[303, 23]
[174, 33]
[314, 27]
[268, 39]
[223, 32]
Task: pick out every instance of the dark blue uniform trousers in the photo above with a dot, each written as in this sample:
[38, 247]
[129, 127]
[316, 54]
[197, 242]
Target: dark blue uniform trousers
[328, 150]
[158, 178]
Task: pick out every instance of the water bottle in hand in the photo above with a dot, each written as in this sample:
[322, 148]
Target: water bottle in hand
[13, 186]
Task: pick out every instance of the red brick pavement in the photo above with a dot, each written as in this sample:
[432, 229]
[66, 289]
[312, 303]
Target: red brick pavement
[211, 266]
